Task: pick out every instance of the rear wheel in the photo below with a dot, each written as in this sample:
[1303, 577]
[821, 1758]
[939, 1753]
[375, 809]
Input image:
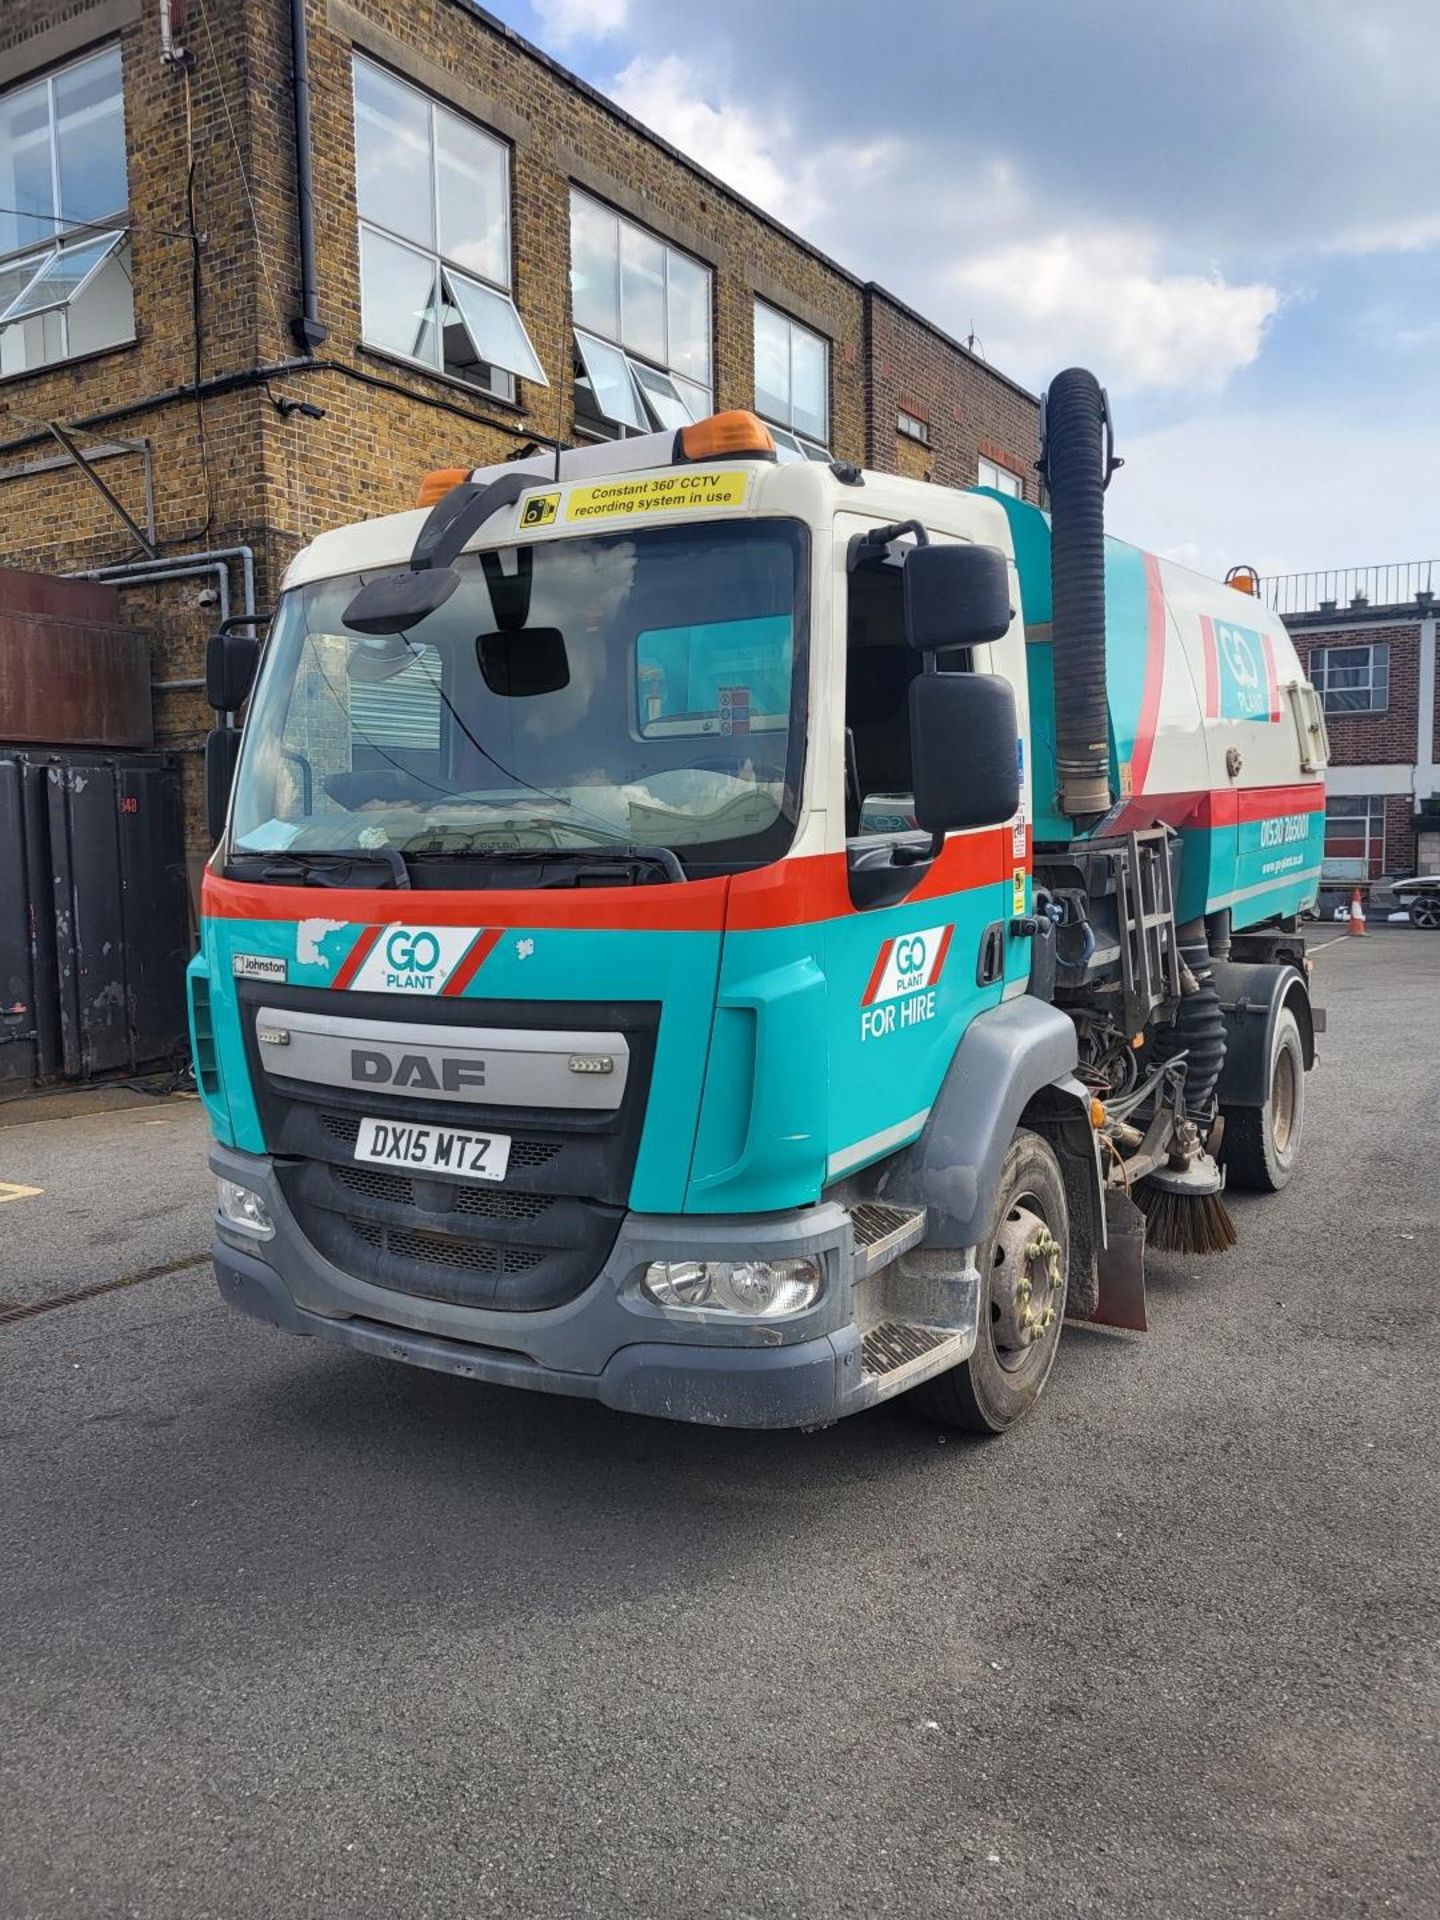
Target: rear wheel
[1262, 1144]
[1024, 1266]
[1425, 911]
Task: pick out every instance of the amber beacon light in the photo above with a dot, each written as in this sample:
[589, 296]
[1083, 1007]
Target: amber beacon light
[737, 432]
[437, 484]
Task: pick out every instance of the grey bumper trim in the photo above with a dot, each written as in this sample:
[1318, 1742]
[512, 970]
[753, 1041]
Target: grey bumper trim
[808, 1384]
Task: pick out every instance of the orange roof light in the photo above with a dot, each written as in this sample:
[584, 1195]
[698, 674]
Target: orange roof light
[737, 432]
[436, 485]
[1244, 580]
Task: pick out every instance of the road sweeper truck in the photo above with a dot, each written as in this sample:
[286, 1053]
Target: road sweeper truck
[739, 938]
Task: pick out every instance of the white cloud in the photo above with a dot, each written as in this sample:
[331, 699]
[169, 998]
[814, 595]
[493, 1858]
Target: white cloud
[1040, 295]
[1102, 296]
[1286, 491]
[1415, 235]
[726, 139]
[566, 21]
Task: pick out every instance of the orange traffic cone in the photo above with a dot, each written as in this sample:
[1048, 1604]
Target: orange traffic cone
[1356, 922]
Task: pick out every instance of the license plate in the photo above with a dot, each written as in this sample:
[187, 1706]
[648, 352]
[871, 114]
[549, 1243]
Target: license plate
[399, 1143]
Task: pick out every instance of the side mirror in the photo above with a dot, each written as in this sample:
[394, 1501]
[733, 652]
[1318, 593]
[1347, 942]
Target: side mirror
[964, 750]
[230, 663]
[955, 596]
[222, 751]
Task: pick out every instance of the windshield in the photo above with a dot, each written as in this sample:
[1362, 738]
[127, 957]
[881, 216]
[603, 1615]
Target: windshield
[637, 689]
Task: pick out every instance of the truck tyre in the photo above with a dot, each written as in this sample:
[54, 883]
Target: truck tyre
[1024, 1266]
[1261, 1144]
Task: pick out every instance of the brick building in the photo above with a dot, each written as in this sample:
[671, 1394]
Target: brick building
[251, 332]
[1368, 638]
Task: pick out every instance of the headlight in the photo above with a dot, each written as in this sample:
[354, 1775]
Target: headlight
[758, 1289]
[243, 1209]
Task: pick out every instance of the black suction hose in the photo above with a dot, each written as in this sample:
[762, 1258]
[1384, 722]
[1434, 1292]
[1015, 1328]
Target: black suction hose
[1077, 460]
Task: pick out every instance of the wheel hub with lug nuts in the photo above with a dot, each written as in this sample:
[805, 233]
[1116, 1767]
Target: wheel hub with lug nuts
[1025, 1285]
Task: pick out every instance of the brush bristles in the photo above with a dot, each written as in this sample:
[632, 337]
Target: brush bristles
[1185, 1222]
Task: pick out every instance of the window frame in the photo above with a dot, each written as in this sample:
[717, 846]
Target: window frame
[1001, 471]
[913, 426]
[636, 362]
[807, 445]
[1355, 808]
[1319, 670]
[504, 382]
[66, 237]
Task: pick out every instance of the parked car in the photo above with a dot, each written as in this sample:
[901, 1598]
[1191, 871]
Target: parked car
[1420, 897]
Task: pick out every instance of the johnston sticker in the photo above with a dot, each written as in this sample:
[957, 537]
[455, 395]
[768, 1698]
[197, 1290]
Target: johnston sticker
[258, 966]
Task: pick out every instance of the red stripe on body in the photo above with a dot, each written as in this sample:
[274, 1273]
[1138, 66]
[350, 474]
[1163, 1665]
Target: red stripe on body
[356, 957]
[474, 957]
[790, 893]
[1201, 808]
[939, 966]
[1212, 668]
[1154, 675]
[881, 962]
[1271, 678]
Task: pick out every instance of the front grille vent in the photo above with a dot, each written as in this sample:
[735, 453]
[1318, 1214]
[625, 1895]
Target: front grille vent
[479, 1202]
[439, 1250]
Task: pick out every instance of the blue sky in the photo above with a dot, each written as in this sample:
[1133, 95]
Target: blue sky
[1230, 210]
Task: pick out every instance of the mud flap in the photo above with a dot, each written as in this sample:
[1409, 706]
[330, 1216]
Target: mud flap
[1122, 1266]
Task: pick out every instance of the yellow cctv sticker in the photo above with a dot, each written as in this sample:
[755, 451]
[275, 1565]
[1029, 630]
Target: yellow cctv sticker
[1017, 891]
[685, 490]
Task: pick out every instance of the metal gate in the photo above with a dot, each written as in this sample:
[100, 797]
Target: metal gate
[94, 916]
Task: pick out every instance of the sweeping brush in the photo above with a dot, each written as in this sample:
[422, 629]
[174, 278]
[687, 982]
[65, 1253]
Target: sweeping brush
[1180, 1220]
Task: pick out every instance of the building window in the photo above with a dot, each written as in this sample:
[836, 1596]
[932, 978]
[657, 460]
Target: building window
[912, 426]
[433, 192]
[64, 252]
[1354, 837]
[1352, 679]
[642, 326]
[792, 384]
[991, 474]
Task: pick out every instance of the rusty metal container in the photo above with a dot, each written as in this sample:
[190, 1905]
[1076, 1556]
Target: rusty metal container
[72, 674]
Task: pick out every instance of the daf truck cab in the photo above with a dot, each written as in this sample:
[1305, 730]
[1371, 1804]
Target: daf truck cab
[628, 969]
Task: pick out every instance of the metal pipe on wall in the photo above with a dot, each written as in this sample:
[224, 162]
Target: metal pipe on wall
[137, 569]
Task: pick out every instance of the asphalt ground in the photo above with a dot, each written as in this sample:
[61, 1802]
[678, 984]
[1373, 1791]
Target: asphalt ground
[289, 1632]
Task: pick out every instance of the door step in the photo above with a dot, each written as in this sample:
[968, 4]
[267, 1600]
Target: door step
[882, 1234]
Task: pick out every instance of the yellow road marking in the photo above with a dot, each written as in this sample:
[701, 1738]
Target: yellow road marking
[9, 1190]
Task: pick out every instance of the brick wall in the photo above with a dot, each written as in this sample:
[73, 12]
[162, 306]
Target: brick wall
[259, 479]
[1366, 739]
[970, 409]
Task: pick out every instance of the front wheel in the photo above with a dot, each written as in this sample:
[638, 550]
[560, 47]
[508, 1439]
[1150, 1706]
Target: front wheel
[1262, 1144]
[1425, 911]
[1024, 1266]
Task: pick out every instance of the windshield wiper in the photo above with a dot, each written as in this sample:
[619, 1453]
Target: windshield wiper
[633, 856]
[322, 869]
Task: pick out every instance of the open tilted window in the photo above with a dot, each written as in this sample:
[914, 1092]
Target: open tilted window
[433, 191]
[64, 250]
[642, 326]
[792, 384]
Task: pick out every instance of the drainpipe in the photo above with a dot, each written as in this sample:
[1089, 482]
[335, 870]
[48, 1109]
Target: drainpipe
[138, 577]
[308, 329]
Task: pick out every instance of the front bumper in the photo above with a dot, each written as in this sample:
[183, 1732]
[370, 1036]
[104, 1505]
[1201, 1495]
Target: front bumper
[610, 1343]
[809, 1384]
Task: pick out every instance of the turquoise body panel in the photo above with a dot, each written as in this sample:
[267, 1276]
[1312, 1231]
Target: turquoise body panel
[807, 1081]
[676, 969]
[1256, 856]
[772, 1074]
